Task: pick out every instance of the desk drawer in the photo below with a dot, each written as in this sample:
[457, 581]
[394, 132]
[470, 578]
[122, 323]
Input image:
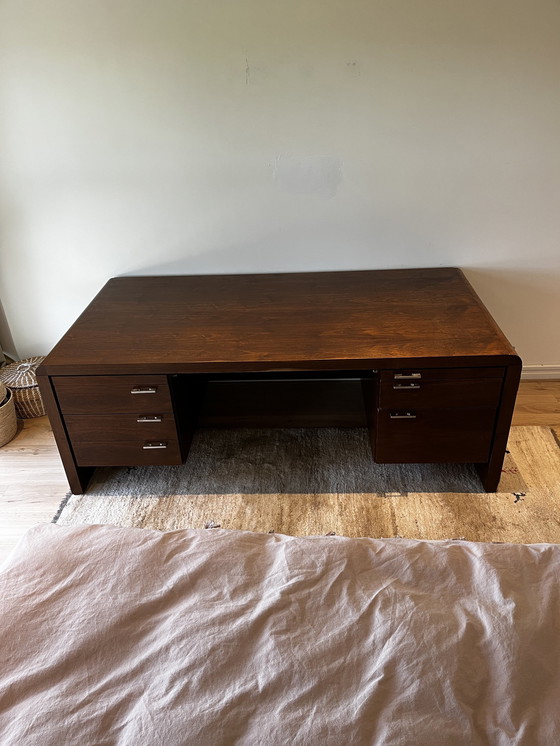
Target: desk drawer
[106, 428]
[104, 394]
[128, 453]
[439, 374]
[434, 435]
[456, 392]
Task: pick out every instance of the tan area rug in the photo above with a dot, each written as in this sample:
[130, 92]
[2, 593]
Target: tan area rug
[316, 482]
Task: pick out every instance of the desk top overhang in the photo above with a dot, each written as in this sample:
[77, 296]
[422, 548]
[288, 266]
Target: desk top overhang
[353, 320]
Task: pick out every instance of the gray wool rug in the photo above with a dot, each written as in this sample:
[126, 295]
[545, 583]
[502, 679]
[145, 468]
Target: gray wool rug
[276, 461]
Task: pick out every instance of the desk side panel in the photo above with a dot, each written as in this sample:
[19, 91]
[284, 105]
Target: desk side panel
[78, 477]
[490, 471]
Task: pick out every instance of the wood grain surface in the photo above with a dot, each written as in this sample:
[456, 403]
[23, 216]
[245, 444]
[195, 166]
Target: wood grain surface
[319, 320]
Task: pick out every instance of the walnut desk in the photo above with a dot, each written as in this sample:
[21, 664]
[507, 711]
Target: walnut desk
[412, 354]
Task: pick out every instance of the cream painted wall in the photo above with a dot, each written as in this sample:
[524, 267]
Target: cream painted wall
[217, 136]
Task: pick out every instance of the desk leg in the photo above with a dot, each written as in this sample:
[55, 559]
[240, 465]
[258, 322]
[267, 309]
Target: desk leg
[78, 476]
[369, 394]
[491, 471]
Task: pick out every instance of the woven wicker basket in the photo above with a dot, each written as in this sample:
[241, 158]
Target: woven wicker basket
[20, 378]
[8, 421]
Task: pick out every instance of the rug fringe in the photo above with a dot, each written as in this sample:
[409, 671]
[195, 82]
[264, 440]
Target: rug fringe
[61, 507]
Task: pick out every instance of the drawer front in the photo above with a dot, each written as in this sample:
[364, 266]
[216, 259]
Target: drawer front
[104, 394]
[434, 435]
[130, 453]
[468, 392]
[438, 374]
[106, 428]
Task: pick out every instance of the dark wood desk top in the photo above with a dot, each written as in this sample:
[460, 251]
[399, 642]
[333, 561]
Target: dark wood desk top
[319, 320]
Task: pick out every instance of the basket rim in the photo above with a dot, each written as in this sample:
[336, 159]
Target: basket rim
[21, 388]
[8, 398]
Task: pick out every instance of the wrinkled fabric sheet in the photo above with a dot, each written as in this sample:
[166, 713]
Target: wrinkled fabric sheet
[128, 636]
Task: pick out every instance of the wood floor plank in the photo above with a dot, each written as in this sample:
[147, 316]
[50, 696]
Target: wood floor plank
[32, 481]
[538, 403]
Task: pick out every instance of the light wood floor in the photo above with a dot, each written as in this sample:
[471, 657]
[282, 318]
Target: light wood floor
[32, 480]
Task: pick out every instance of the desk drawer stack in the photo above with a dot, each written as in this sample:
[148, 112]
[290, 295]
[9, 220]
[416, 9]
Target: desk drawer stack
[437, 415]
[119, 420]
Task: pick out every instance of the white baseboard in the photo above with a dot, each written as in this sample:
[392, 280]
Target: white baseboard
[540, 373]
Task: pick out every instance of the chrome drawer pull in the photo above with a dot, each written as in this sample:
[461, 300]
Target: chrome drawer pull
[150, 418]
[406, 386]
[402, 415]
[154, 446]
[403, 376]
[144, 390]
